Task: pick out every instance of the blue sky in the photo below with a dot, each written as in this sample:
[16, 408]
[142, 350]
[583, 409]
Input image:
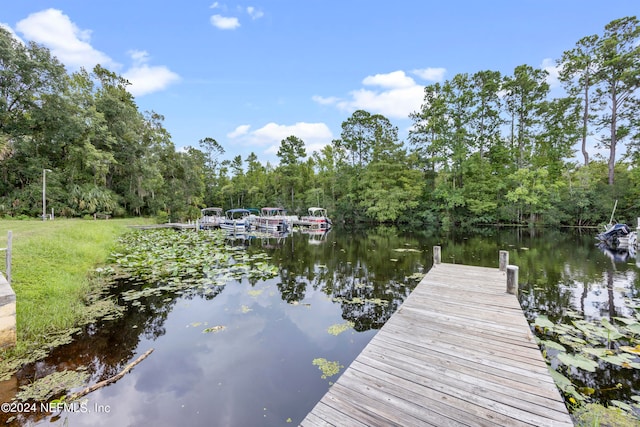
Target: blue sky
[249, 74]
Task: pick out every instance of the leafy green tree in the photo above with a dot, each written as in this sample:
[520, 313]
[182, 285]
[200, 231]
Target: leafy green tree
[291, 154]
[617, 82]
[257, 182]
[365, 138]
[525, 93]
[430, 131]
[559, 131]
[213, 150]
[577, 69]
[533, 192]
[390, 188]
[239, 182]
[327, 162]
[485, 120]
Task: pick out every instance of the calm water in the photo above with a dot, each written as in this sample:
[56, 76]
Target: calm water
[259, 370]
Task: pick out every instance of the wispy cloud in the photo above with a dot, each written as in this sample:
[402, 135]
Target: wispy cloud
[239, 131]
[254, 13]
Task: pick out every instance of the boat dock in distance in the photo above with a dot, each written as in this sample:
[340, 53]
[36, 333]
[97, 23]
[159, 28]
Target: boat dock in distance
[458, 352]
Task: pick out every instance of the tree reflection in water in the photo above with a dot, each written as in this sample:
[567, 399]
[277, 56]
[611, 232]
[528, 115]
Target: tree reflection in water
[361, 276]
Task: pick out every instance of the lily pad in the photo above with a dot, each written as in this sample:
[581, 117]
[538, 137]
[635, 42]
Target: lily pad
[565, 385]
[578, 361]
[548, 344]
[624, 360]
[598, 351]
[633, 350]
[543, 322]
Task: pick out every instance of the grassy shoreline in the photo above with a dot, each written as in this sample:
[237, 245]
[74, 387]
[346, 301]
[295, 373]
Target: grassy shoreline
[53, 276]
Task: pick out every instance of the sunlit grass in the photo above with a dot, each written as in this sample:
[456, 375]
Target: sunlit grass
[51, 274]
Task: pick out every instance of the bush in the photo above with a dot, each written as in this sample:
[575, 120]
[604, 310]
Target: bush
[162, 217]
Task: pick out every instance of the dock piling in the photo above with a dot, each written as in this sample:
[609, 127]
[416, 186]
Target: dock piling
[436, 255]
[512, 279]
[504, 260]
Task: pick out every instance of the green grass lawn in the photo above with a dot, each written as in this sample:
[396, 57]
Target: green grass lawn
[52, 276]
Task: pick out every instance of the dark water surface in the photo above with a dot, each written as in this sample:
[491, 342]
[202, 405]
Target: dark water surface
[259, 370]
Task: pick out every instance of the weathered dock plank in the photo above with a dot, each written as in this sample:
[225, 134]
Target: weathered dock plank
[458, 352]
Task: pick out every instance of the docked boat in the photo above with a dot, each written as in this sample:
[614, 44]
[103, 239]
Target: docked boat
[272, 220]
[617, 235]
[236, 221]
[211, 217]
[316, 219]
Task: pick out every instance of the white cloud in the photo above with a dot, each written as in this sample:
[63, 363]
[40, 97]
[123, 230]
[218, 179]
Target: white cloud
[239, 131]
[430, 74]
[225, 22]
[315, 136]
[254, 13]
[395, 79]
[66, 41]
[146, 79]
[72, 47]
[396, 96]
[550, 66]
[215, 5]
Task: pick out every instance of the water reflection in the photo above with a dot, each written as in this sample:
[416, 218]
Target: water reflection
[259, 371]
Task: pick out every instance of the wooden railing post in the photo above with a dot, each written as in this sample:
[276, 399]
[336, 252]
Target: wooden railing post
[512, 279]
[436, 255]
[504, 260]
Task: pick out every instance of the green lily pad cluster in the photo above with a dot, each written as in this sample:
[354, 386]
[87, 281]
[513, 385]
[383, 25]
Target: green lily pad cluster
[184, 261]
[52, 385]
[589, 346]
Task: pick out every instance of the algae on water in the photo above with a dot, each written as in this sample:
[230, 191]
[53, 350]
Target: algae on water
[327, 367]
[339, 328]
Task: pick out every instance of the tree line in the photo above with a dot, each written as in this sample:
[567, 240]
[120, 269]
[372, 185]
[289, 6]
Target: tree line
[484, 148]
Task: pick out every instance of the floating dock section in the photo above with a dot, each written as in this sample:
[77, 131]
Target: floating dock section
[458, 352]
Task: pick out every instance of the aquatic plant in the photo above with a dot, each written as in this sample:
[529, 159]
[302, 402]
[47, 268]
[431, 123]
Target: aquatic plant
[339, 328]
[180, 262]
[328, 368]
[52, 385]
[589, 346]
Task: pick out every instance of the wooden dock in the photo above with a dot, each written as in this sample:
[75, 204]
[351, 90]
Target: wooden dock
[174, 225]
[458, 352]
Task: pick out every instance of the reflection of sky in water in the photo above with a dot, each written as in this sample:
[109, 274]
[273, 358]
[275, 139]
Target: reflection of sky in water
[258, 371]
[595, 298]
